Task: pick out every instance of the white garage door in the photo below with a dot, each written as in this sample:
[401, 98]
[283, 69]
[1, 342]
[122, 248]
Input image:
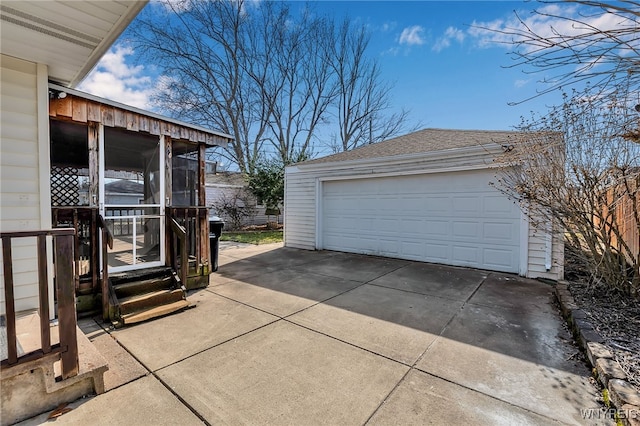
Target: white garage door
[451, 218]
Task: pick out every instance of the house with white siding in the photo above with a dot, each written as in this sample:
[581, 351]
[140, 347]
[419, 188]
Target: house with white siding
[63, 156]
[42, 41]
[425, 196]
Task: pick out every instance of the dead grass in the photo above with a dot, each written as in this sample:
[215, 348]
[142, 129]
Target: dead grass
[253, 237]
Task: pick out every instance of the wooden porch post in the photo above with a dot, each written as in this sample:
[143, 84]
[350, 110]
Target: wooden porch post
[167, 145]
[166, 142]
[94, 179]
[202, 202]
[93, 129]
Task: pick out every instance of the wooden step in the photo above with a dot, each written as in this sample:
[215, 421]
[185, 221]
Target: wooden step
[139, 275]
[158, 311]
[149, 285]
[143, 301]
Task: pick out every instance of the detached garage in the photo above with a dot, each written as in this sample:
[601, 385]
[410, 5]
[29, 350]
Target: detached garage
[425, 196]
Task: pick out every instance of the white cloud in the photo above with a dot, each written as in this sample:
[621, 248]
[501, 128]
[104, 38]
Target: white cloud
[548, 23]
[392, 51]
[450, 34]
[521, 83]
[412, 35]
[177, 6]
[388, 26]
[114, 79]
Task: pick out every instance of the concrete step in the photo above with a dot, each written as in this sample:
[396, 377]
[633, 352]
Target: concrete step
[154, 312]
[145, 301]
[36, 386]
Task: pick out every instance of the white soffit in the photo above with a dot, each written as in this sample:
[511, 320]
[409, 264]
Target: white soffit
[67, 36]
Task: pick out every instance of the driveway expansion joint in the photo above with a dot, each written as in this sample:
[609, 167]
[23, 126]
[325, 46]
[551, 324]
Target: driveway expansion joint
[150, 372]
[421, 356]
[447, 366]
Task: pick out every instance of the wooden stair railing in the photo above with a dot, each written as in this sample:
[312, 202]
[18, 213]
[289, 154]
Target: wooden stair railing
[178, 232]
[107, 241]
[65, 288]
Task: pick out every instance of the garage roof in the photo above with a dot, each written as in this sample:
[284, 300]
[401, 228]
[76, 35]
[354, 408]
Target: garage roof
[426, 140]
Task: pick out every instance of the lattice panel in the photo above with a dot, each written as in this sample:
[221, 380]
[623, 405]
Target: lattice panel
[64, 186]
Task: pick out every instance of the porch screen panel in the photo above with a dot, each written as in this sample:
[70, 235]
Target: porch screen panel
[132, 199]
[184, 185]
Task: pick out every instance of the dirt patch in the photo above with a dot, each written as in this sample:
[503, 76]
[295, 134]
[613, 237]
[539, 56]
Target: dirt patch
[615, 316]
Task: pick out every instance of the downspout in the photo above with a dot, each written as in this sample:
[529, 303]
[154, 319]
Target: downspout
[548, 242]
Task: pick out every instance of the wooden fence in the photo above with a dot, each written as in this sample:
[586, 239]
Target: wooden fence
[624, 218]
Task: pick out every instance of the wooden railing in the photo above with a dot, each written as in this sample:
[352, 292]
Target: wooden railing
[86, 248]
[107, 241]
[92, 276]
[179, 239]
[63, 251]
[194, 249]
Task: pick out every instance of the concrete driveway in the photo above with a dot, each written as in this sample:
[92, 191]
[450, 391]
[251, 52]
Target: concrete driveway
[285, 336]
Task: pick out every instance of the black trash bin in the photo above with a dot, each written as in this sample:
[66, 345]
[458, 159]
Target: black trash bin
[215, 230]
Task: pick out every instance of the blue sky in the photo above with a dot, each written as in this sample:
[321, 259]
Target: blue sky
[447, 72]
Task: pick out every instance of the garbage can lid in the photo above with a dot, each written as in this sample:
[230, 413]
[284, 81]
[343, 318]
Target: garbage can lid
[214, 218]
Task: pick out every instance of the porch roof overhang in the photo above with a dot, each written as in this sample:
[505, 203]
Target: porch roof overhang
[83, 108]
[69, 37]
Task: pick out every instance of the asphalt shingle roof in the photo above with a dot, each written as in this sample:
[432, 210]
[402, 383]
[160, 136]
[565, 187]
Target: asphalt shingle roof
[426, 140]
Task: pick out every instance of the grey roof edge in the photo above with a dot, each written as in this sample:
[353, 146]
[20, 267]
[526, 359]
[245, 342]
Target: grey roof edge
[75, 92]
[407, 138]
[461, 153]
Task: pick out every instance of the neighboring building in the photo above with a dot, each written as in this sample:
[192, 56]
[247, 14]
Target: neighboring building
[231, 187]
[124, 192]
[424, 196]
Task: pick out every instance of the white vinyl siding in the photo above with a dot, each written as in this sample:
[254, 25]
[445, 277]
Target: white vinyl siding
[538, 253]
[19, 173]
[300, 212]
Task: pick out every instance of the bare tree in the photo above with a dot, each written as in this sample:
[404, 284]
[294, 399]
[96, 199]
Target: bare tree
[272, 78]
[588, 183]
[235, 207]
[204, 52]
[599, 44]
[299, 87]
[576, 168]
[363, 100]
